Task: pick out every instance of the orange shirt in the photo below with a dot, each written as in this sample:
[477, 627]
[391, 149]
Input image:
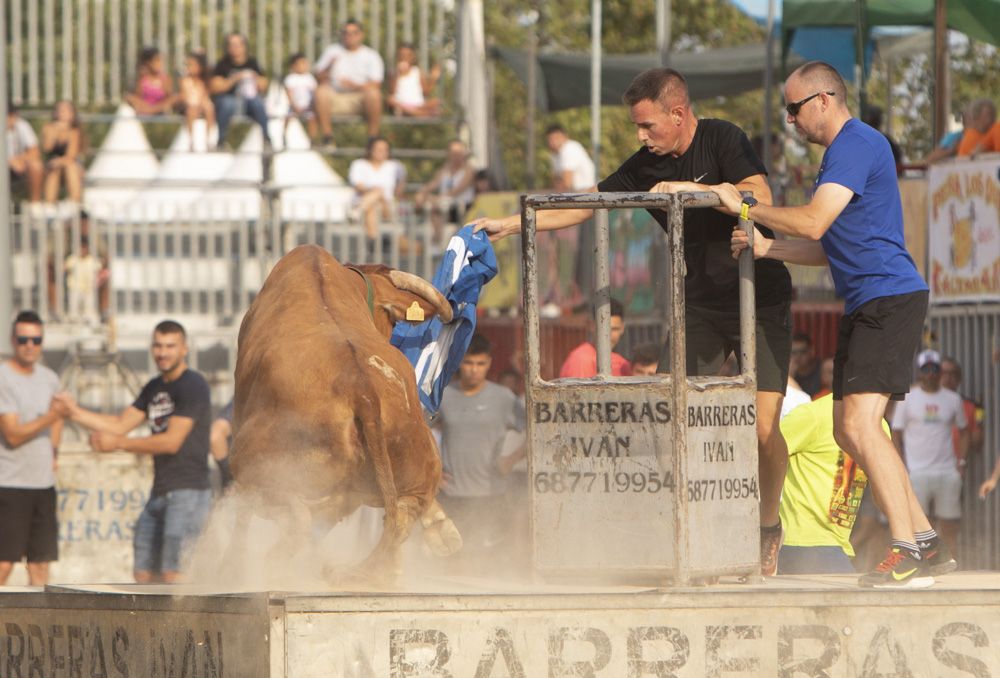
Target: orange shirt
[582, 363]
[971, 139]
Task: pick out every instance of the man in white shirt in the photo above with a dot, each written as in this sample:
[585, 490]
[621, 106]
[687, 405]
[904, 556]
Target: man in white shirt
[925, 419]
[350, 75]
[572, 168]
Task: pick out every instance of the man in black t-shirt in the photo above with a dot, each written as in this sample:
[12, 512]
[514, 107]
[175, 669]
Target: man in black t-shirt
[682, 153]
[177, 406]
[237, 75]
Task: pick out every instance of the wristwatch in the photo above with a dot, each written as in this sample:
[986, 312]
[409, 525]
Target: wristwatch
[748, 202]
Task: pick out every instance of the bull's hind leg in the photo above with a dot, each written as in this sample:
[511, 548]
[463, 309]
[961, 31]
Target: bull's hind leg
[384, 565]
[440, 534]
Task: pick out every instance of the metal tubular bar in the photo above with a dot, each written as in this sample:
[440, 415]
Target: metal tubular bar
[424, 18]
[195, 37]
[211, 43]
[390, 30]
[163, 28]
[678, 370]
[560, 201]
[748, 307]
[407, 20]
[115, 63]
[50, 50]
[178, 51]
[82, 75]
[375, 21]
[310, 39]
[16, 64]
[244, 19]
[529, 259]
[342, 13]
[294, 28]
[277, 32]
[33, 89]
[100, 65]
[67, 50]
[261, 47]
[326, 24]
[602, 295]
[147, 25]
[227, 16]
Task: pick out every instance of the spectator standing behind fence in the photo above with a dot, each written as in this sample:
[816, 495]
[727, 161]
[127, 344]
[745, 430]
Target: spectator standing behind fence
[237, 75]
[951, 379]
[805, 366]
[195, 100]
[177, 406]
[378, 181]
[821, 496]
[300, 87]
[220, 439]
[63, 144]
[410, 89]
[982, 134]
[924, 420]
[83, 277]
[31, 422]
[645, 359]
[350, 75]
[572, 168]
[825, 378]
[154, 88]
[475, 416]
[450, 191]
[24, 159]
[581, 363]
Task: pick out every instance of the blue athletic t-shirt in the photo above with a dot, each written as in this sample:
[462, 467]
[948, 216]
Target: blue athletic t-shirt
[868, 258]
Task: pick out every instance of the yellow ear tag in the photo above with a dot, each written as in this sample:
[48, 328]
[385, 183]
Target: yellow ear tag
[414, 313]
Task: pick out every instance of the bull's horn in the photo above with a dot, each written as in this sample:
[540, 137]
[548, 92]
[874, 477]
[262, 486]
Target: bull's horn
[412, 283]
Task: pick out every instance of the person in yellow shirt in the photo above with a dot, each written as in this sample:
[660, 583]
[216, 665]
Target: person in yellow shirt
[821, 496]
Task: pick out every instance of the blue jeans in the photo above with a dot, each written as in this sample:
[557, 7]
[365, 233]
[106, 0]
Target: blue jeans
[813, 560]
[168, 526]
[225, 109]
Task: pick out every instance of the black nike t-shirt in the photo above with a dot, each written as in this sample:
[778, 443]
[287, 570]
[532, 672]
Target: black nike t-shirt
[719, 153]
[186, 396]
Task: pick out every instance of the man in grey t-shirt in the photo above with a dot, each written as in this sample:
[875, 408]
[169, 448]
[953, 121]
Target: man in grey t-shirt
[31, 423]
[475, 417]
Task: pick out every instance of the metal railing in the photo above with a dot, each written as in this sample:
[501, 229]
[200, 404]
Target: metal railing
[207, 261]
[86, 50]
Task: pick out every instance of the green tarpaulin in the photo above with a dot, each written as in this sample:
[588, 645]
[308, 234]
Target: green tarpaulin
[564, 79]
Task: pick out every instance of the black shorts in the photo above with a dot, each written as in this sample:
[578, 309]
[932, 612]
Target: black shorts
[713, 335]
[28, 526]
[876, 344]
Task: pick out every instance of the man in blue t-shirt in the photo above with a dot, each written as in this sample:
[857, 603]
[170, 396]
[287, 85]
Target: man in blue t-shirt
[177, 406]
[854, 224]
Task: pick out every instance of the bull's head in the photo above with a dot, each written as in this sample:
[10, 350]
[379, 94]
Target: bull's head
[396, 291]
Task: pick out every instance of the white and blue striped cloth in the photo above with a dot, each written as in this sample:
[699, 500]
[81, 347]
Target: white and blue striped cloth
[433, 348]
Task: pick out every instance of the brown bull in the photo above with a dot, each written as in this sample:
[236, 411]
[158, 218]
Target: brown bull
[327, 416]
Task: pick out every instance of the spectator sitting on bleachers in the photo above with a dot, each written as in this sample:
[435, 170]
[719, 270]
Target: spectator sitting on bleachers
[300, 87]
[238, 75]
[379, 182]
[154, 88]
[948, 145]
[410, 88]
[450, 191]
[63, 143]
[195, 100]
[982, 135]
[350, 75]
[24, 160]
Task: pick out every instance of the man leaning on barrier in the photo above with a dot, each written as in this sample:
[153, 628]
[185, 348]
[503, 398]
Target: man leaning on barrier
[854, 224]
[682, 153]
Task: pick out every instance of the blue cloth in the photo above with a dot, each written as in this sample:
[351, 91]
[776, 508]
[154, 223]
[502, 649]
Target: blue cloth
[868, 258]
[433, 348]
[951, 139]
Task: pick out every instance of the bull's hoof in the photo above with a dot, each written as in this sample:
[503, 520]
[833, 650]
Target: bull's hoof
[442, 538]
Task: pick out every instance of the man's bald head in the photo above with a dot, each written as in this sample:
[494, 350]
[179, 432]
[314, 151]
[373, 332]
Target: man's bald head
[821, 76]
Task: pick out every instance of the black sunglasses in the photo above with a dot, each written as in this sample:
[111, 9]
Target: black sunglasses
[794, 107]
[22, 341]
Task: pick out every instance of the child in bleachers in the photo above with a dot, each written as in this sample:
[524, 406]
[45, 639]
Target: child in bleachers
[300, 86]
[154, 89]
[409, 89]
[195, 100]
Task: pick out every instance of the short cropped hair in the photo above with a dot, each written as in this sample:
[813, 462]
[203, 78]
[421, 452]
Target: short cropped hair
[555, 129]
[803, 337]
[479, 345]
[647, 354]
[825, 76]
[170, 327]
[662, 85]
[28, 317]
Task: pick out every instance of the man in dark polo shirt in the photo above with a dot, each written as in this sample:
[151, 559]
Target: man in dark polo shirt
[682, 153]
[177, 406]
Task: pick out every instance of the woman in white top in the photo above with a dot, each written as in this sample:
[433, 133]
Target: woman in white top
[451, 191]
[409, 89]
[379, 182]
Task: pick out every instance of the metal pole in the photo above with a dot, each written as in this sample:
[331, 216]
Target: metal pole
[6, 296]
[941, 89]
[861, 33]
[663, 31]
[596, 30]
[768, 84]
[602, 293]
[529, 20]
